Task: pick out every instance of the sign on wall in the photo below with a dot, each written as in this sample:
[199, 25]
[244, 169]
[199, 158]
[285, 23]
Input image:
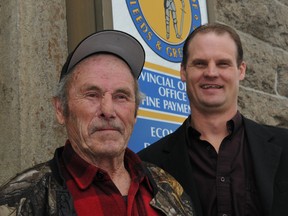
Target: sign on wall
[161, 27]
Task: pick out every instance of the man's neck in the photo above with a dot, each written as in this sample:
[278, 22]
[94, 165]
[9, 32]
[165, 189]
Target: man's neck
[114, 166]
[212, 126]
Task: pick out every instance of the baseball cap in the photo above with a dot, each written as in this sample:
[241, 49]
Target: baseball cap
[108, 41]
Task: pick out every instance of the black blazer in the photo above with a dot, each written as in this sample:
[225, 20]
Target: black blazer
[269, 152]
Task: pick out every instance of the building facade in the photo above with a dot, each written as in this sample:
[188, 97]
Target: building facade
[36, 36]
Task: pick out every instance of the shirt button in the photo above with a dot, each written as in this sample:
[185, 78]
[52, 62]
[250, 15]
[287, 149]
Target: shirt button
[222, 179]
[100, 175]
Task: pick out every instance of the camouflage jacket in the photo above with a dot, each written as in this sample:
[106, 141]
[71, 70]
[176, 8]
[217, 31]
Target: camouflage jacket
[41, 190]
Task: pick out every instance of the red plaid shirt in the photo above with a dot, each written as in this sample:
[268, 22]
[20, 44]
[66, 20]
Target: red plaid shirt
[94, 193]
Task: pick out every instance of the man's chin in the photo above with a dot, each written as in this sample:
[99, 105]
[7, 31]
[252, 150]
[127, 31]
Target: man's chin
[110, 151]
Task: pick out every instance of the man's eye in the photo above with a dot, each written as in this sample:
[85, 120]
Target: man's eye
[93, 95]
[224, 64]
[121, 97]
[199, 64]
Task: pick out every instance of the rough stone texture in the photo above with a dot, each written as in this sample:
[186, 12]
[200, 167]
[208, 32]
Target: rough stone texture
[33, 40]
[282, 80]
[265, 20]
[263, 108]
[263, 28]
[9, 82]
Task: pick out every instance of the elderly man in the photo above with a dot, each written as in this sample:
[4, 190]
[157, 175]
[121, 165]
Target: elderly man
[95, 173]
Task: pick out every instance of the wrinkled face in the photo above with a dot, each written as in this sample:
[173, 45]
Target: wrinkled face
[101, 103]
[211, 74]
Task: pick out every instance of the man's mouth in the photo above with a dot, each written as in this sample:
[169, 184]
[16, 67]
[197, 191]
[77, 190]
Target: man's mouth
[106, 129]
[211, 86]
[103, 128]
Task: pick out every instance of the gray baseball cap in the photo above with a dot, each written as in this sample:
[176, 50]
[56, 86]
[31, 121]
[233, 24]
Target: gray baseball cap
[108, 41]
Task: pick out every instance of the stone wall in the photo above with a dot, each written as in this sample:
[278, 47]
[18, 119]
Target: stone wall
[263, 28]
[33, 44]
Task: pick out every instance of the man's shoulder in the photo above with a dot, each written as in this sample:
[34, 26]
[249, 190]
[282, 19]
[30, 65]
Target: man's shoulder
[277, 129]
[153, 151]
[272, 135]
[162, 178]
[166, 141]
[158, 173]
[34, 190]
[169, 188]
[269, 129]
[25, 181]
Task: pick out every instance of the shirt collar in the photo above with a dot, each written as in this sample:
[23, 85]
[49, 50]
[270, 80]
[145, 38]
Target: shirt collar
[135, 167]
[81, 171]
[84, 173]
[233, 125]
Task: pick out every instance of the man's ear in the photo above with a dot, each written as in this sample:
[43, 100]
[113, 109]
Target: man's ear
[58, 110]
[242, 69]
[183, 73]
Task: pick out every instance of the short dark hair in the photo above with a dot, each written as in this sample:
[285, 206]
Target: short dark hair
[218, 29]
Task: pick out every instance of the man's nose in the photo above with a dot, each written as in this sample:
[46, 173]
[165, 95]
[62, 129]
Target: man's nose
[211, 70]
[107, 106]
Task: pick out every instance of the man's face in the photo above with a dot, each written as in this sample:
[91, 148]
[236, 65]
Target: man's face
[211, 74]
[101, 103]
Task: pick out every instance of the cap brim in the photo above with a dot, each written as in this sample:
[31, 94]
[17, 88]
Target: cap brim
[111, 41]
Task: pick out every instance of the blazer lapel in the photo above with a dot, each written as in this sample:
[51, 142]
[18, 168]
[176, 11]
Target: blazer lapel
[265, 156]
[178, 164]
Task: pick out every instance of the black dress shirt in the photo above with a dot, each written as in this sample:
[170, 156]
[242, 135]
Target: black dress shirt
[225, 181]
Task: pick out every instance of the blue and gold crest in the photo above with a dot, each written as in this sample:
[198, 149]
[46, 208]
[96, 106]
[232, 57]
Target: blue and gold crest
[164, 25]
